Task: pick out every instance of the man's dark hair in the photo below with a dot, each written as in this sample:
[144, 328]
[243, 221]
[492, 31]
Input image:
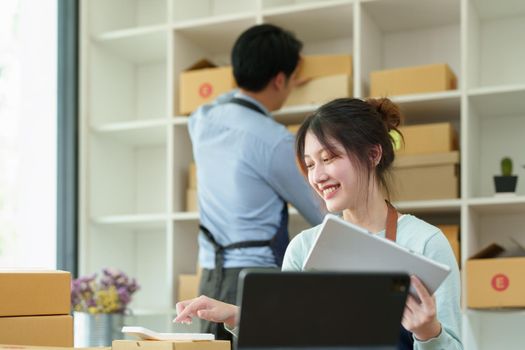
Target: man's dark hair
[261, 52]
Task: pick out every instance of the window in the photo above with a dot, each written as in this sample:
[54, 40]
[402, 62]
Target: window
[28, 124]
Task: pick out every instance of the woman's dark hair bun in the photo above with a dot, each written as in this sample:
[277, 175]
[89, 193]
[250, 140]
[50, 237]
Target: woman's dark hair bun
[388, 111]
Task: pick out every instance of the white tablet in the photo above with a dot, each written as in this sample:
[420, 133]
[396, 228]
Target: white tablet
[342, 246]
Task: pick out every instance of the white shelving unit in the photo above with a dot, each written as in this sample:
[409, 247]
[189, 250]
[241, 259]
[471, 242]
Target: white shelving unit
[135, 149]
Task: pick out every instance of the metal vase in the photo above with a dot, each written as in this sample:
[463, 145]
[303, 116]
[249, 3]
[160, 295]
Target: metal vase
[92, 330]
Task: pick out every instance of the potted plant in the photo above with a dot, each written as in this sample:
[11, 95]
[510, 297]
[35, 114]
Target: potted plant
[99, 306]
[506, 182]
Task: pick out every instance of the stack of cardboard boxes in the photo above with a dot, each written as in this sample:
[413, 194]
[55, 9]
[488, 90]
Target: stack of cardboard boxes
[427, 163]
[192, 202]
[35, 308]
[329, 77]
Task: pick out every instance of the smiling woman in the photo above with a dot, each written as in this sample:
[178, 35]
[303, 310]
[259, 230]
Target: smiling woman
[28, 47]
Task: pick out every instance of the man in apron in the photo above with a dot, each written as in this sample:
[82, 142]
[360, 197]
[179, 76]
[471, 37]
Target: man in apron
[246, 172]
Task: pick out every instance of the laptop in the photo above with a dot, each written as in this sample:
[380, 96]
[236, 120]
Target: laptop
[320, 310]
[342, 246]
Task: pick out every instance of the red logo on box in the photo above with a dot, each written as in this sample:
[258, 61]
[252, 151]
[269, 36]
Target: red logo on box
[500, 282]
[205, 90]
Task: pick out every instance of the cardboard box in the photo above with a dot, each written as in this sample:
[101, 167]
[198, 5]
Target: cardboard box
[35, 293]
[495, 281]
[192, 202]
[321, 90]
[37, 330]
[192, 176]
[293, 128]
[427, 176]
[29, 347]
[412, 80]
[317, 66]
[188, 286]
[202, 83]
[169, 345]
[428, 138]
[452, 234]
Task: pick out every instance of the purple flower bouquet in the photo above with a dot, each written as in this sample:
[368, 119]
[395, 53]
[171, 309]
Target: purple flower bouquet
[110, 294]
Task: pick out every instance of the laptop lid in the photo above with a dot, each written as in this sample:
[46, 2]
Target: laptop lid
[320, 310]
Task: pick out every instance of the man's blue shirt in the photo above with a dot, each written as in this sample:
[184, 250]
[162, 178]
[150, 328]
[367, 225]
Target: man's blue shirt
[245, 170]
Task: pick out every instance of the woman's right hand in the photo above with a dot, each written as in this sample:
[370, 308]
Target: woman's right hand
[208, 309]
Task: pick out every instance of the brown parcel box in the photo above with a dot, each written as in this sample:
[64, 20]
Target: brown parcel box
[317, 66]
[321, 90]
[412, 80]
[169, 345]
[37, 330]
[28, 347]
[428, 138]
[35, 293]
[293, 128]
[426, 176]
[192, 176]
[202, 83]
[495, 282]
[192, 201]
[188, 286]
[452, 234]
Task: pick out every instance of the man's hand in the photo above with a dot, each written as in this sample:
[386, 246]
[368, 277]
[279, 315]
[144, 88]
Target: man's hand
[207, 309]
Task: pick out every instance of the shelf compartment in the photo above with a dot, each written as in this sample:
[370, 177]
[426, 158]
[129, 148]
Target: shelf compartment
[183, 156]
[208, 9]
[127, 81]
[499, 223]
[419, 108]
[138, 45]
[430, 107]
[430, 206]
[493, 29]
[500, 101]
[315, 21]
[216, 35]
[126, 179]
[496, 122]
[392, 37]
[498, 205]
[136, 133]
[294, 114]
[493, 329]
[137, 252]
[113, 15]
[134, 222]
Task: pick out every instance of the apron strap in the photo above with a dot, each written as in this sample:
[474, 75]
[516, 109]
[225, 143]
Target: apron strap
[219, 254]
[406, 341]
[247, 104]
[391, 222]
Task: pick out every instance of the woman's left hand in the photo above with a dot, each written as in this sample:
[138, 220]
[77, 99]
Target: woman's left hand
[420, 317]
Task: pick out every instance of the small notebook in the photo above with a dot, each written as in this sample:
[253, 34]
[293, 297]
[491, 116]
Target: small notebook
[148, 334]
